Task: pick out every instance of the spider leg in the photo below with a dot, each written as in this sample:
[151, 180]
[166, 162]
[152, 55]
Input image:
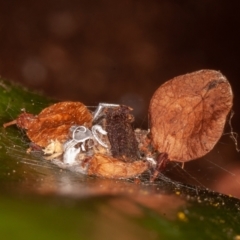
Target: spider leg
[98, 128]
[69, 144]
[162, 161]
[152, 161]
[101, 106]
[70, 152]
[83, 147]
[80, 133]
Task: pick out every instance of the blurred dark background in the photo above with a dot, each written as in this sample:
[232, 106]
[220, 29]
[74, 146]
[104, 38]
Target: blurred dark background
[119, 51]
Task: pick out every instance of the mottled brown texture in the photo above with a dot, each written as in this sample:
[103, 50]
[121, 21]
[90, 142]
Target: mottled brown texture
[53, 122]
[188, 114]
[109, 167]
[121, 134]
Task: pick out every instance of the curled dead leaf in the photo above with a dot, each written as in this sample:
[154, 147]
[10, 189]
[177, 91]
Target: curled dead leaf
[53, 122]
[188, 114]
[109, 167]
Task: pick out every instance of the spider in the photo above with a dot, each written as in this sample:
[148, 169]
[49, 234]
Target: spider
[118, 138]
[96, 151]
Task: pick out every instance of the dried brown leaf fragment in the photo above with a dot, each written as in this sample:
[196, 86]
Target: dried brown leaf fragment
[110, 167]
[53, 122]
[188, 114]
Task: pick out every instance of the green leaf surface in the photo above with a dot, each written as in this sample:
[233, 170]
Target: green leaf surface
[41, 201]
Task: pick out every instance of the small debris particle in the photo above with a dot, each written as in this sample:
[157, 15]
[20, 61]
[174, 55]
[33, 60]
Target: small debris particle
[216, 204]
[182, 216]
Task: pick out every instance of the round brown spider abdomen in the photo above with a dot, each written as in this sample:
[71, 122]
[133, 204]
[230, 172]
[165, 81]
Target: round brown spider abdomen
[53, 122]
[188, 114]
